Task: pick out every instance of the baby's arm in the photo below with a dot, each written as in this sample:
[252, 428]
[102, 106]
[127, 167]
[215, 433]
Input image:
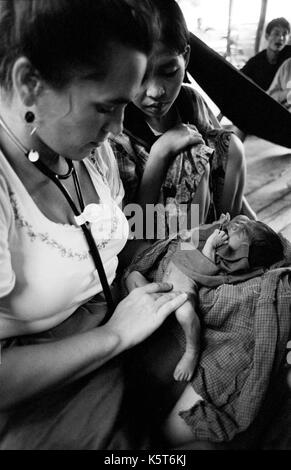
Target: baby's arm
[135, 279]
[216, 239]
[193, 236]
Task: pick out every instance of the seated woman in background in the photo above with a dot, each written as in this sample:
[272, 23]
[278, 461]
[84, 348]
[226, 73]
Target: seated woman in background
[280, 88]
[153, 153]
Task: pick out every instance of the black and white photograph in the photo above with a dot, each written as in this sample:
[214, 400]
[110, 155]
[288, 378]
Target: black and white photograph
[145, 228]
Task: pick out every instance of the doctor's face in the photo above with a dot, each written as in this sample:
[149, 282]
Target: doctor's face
[74, 120]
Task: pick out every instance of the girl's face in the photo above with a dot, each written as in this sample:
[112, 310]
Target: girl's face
[78, 118]
[162, 83]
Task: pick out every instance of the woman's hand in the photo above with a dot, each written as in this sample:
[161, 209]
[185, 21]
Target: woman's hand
[142, 312]
[175, 140]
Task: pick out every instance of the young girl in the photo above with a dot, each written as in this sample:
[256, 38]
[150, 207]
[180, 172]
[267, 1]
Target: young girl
[157, 130]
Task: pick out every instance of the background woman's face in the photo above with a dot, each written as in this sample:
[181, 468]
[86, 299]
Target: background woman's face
[75, 120]
[162, 83]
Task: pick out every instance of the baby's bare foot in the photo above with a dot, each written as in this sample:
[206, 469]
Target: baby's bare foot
[186, 366]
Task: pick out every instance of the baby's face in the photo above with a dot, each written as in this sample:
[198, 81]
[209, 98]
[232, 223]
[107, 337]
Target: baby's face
[236, 231]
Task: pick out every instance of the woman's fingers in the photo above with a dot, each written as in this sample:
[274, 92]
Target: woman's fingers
[165, 302]
[155, 287]
[162, 299]
[171, 305]
[142, 312]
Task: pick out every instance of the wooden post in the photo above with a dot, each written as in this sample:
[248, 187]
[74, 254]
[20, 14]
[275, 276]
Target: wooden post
[228, 44]
[261, 25]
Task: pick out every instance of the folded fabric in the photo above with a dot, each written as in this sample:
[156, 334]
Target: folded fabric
[245, 329]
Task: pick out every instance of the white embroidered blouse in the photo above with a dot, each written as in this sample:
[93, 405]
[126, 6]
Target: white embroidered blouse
[46, 271]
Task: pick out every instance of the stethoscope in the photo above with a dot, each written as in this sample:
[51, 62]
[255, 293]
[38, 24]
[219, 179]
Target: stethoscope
[33, 157]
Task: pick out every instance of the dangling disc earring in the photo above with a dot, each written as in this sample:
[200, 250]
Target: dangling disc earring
[30, 117]
[33, 155]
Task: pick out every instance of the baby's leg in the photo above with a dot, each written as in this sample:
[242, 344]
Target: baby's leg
[189, 321]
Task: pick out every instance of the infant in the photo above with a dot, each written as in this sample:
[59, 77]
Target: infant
[229, 251]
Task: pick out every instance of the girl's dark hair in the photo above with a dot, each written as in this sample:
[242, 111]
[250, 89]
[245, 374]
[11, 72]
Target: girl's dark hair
[64, 37]
[174, 32]
[266, 246]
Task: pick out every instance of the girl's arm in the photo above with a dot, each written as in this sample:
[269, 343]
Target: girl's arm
[162, 153]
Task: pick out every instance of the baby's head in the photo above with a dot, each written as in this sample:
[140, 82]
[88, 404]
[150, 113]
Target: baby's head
[266, 247]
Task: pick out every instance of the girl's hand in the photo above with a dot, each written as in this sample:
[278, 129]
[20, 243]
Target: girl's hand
[175, 140]
[143, 311]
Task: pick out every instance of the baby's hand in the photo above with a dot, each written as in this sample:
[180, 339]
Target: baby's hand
[135, 279]
[217, 238]
[224, 219]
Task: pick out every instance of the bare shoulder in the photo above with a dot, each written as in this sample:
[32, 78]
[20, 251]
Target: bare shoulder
[236, 150]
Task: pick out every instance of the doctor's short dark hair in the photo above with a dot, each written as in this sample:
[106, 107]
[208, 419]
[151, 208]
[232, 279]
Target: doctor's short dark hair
[63, 38]
[277, 22]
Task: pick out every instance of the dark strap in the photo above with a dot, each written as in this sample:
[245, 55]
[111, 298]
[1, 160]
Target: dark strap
[94, 252]
[185, 105]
